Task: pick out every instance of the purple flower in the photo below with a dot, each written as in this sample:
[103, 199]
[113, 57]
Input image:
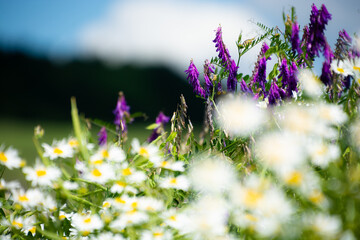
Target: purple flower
[161, 120]
[263, 50]
[294, 39]
[318, 21]
[284, 73]
[260, 75]
[102, 136]
[121, 111]
[244, 87]
[292, 83]
[326, 75]
[231, 82]
[274, 94]
[208, 70]
[224, 54]
[193, 77]
[345, 36]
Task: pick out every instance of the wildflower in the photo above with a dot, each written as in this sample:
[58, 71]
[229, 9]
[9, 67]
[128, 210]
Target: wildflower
[325, 225]
[102, 136]
[108, 236]
[121, 112]
[111, 153]
[259, 79]
[173, 166]
[274, 94]
[294, 39]
[150, 204]
[9, 185]
[211, 175]
[274, 150]
[239, 116]
[193, 77]
[131, 175]
[161, 120]
[208, 70]
[232, 81]
[174, 219]
[27, 199]
[158, 233]
[244, 87]
[10, 158]
[121, 186]
[86, 223]
[148, 151]
[100, 174]
[41, 175]
[180, 182]
[58, 149]
[318, 21]
[70, 185]
[224, 54]
[310, 83]
[292, 82]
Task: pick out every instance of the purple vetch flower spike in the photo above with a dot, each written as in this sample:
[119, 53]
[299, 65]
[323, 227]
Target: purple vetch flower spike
[244, 87]
[121, 111]
[274, 94]
[193, 77]
[224, 54]
[102, 136]
[318, 21]
[161, 121]
[208, 70]
[292, 83]
[326, 75]
[260, 75]
[263, 50]
[232, 81]
[345, 36]
[294, 39]
[284, 73]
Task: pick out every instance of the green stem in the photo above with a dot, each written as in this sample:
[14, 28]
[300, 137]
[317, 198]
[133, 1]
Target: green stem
[48, 234]
[77, 129]
[88, 182]
[92, 192]
[39, 150]
[78, 199]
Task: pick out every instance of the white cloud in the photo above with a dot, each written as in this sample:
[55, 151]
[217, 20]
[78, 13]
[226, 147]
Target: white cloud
[168, 32]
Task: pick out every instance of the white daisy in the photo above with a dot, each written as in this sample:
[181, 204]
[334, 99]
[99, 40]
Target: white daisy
[180, 182]
[121, 186]
[239, 116]
[100, 174]
[86, 223]
[173, 166]
[341, 67]
[29, 198]
[322, 153]
[41, 175]
[10, 158]
[148, 151]
[58, 149]
[310, 83]
[157, 233]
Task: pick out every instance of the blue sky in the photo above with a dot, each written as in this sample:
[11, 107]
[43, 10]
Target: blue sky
[151, 32]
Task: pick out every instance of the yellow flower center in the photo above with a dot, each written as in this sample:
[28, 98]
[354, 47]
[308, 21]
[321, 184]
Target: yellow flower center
[40, 173]
[106, 204]
[119, 200]
[144, 152]
[121, 183]
[250, 217]
[3, 158]
[316, 197]
[164, 163]
[85, 233]
[356, 68]
[158, 234]
[295, 178]
[321, 151]
[87, 220]
[98, 162]
[96, 172]
[173, 181]
[17, 224]
[172, 218]
[134, 205]
[341, 70]
[126, 172]
[33, 230]
[62, 217]
[23, 198]
[252, 197]
[73, 143]
[58, 151]
[105, 154]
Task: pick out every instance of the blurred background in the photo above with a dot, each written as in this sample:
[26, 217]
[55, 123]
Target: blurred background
[52, 50]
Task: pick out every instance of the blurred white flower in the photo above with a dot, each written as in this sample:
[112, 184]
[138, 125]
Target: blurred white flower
[158, 233]
[86, 223]
[100, 174]
[310, 83]
[148, 151]
[325, 225]
[322, 153]
[41, 175]
[180, 182]
[211, 174]
[239, 116]
[341, 67]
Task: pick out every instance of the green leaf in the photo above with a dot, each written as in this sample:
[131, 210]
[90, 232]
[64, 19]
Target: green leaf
[171, 137]
[152, 126]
